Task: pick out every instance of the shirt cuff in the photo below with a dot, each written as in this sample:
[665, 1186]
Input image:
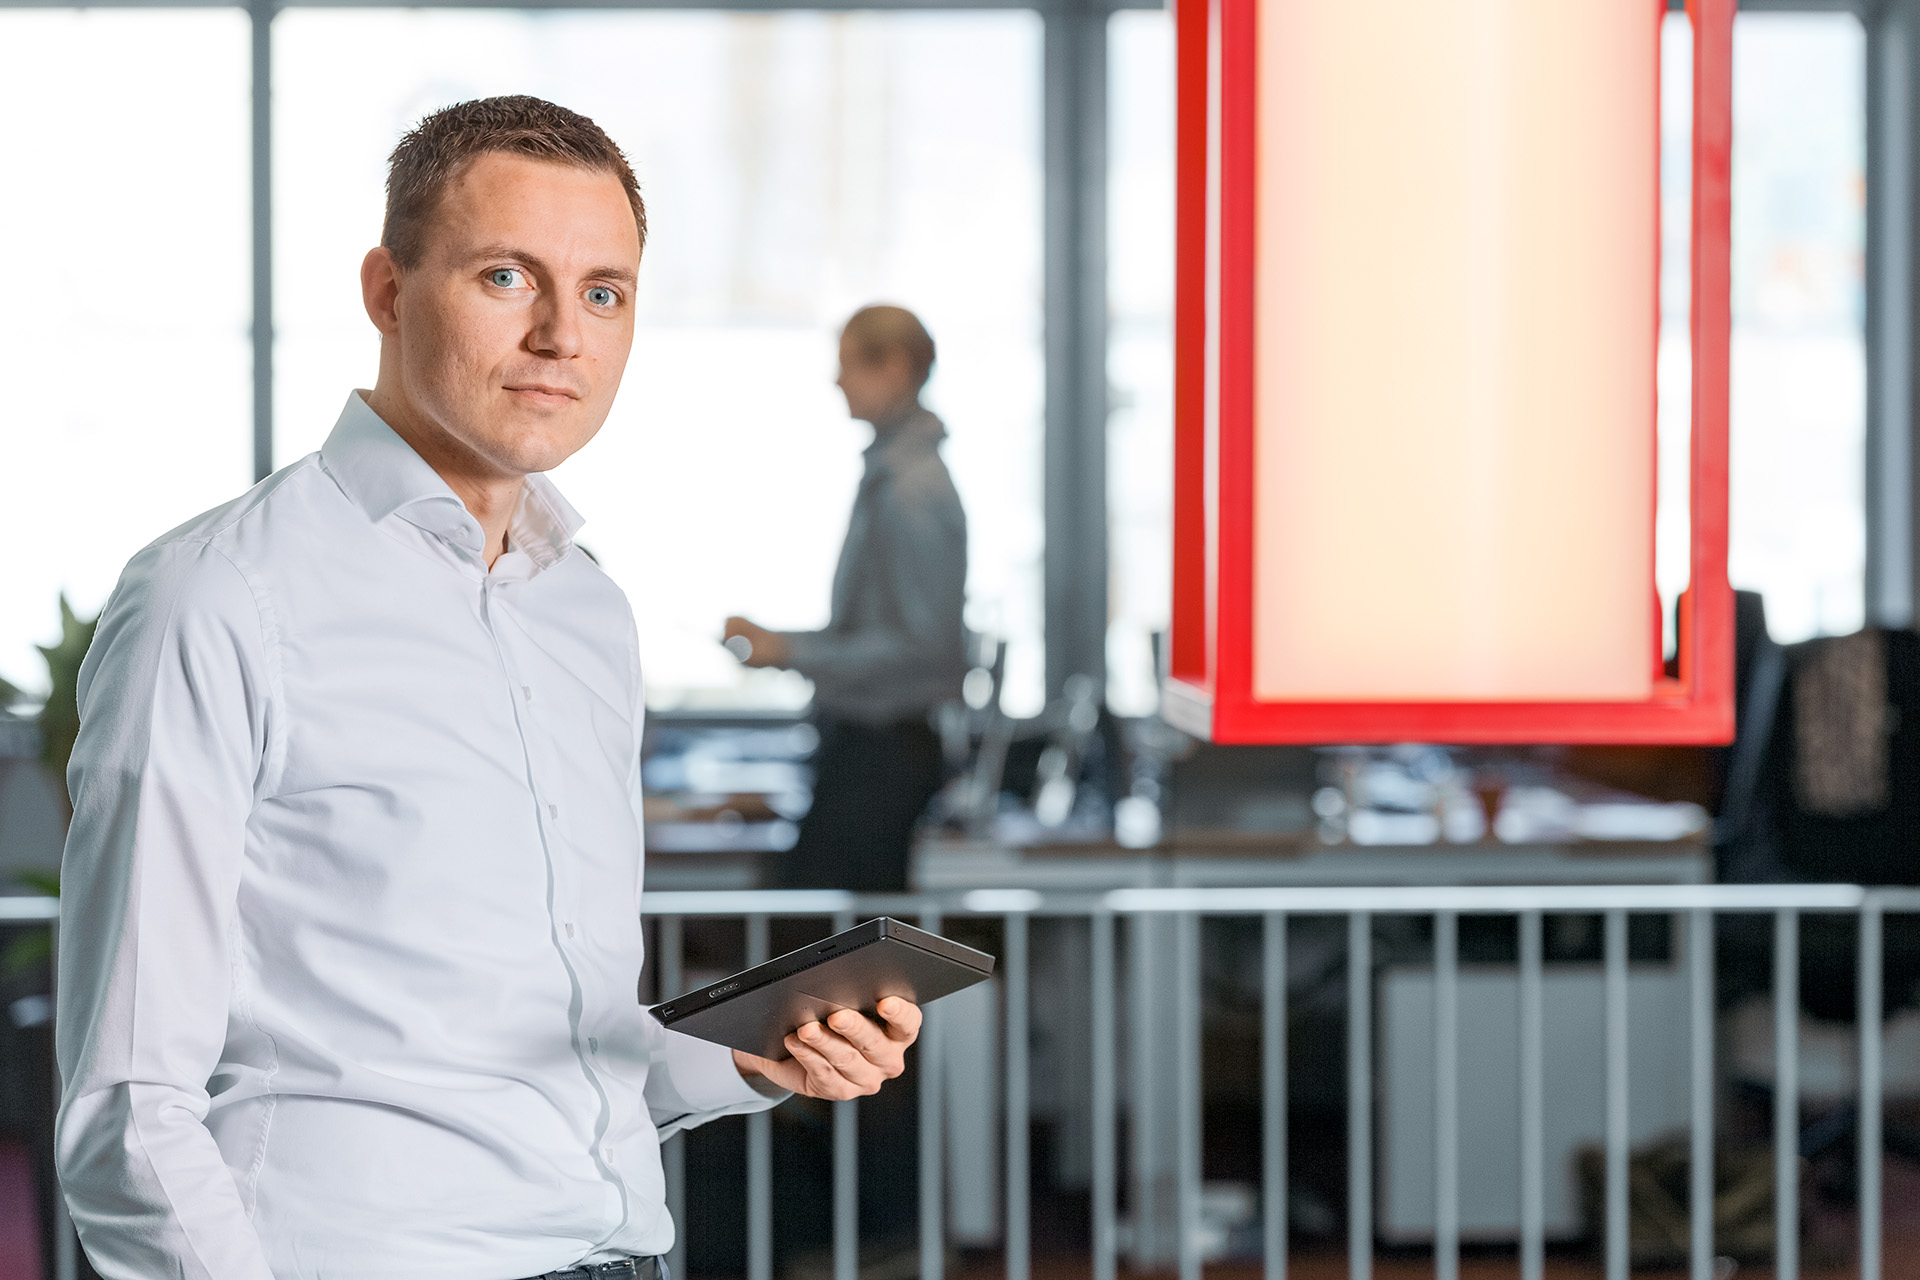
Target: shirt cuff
[803, 648]
[705, 1077]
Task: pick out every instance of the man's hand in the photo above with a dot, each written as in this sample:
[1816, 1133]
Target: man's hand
[849, 1057]
[764, 648]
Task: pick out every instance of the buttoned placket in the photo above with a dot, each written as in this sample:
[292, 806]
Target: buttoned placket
[547, 816]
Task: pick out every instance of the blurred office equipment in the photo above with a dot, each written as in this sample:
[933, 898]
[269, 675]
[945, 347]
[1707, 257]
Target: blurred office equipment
[1572, 998]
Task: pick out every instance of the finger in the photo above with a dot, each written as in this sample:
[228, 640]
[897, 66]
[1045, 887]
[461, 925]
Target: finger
[823, 1079]
[858, 1030]
[873, 1043]
[865, 1073]
[844, 1055]
[902, 1019]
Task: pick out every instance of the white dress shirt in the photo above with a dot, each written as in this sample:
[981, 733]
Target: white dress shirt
[351, 902]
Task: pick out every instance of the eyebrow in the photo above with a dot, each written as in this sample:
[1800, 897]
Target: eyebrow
[619, 275]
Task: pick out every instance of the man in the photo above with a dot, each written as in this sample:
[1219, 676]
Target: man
[352, 892]
[895, 646]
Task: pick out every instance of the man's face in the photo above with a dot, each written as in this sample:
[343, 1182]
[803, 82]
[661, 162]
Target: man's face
[510, 334]
[876, 390]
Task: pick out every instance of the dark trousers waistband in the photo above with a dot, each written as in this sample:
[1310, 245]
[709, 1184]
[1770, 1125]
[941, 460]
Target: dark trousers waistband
[649, 1268]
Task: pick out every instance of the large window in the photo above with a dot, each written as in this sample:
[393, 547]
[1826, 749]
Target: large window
[127, 407]
[1139, 351]
[795, 166]
[1799, 529]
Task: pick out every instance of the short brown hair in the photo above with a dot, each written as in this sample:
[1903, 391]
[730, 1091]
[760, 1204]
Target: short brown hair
[438, 150]
[880, 332]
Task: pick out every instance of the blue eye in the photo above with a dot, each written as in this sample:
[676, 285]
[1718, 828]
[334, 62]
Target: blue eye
[505, 277]
[601, 296]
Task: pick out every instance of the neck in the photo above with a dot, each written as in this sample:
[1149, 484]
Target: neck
[885, 424]
[489, 493]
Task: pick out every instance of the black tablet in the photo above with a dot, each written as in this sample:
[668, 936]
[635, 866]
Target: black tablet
[756, 1010]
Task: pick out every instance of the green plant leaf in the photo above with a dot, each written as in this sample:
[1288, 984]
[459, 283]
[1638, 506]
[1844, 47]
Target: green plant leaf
[60, 718]
[46, 883]
[26, 951]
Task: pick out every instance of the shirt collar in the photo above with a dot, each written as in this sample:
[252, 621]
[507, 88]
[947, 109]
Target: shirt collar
[384, 477]
[918, 432]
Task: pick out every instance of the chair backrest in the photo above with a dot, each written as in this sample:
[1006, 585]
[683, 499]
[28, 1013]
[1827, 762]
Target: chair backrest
[1843, 766]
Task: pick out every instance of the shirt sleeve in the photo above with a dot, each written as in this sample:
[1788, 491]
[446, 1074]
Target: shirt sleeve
[174, 700]
[689, 1081]
[693, 1081]
[920, 557]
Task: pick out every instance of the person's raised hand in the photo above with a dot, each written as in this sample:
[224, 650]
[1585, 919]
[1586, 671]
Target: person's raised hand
[764, 648]
[849, 1056]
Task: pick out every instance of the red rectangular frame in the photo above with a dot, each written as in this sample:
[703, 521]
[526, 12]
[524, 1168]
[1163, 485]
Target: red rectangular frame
[1209, 687]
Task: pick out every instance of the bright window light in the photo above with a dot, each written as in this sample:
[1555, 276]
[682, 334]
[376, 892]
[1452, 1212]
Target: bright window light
[1139, 350]
[1798, 521]
[796, 166]
[126, 207]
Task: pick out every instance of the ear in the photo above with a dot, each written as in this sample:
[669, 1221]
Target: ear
[380, 289]
[900, 369]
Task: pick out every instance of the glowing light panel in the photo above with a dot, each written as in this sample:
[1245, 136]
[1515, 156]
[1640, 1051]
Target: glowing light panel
[1455, 324]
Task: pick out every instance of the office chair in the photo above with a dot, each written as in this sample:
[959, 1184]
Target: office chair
[1822, 785]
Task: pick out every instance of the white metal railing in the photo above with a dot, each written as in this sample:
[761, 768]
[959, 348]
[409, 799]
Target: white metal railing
[1698, 904]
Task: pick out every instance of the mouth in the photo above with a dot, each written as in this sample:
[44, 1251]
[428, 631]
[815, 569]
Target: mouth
[542, 393]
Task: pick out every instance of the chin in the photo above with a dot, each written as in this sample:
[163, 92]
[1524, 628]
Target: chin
[543, 445]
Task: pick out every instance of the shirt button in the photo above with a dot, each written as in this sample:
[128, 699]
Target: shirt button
[553, 811]
[569, 929]
[526, 691]
[593, 1045]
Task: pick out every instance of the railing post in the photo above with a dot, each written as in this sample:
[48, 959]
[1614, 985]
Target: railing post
[1147, 1040]
[1618, 1240]
[1700, 1197]
[759, 1148]
[1872, 948]
[673, 1152]
[1105, 1157]
[1187, 1068]
[931, 1057]
[66, 1244]
[1786, 1095]
[1019, 1164]
[1273, 1094]
[1360, 1095]
[1533, 1213]
[1446, 1095]
[846, 1170]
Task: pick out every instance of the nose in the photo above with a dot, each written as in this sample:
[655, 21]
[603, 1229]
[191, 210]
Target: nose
[556, 332]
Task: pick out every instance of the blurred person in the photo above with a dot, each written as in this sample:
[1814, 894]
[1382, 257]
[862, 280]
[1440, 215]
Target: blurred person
[894, 647]
[352, 892]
